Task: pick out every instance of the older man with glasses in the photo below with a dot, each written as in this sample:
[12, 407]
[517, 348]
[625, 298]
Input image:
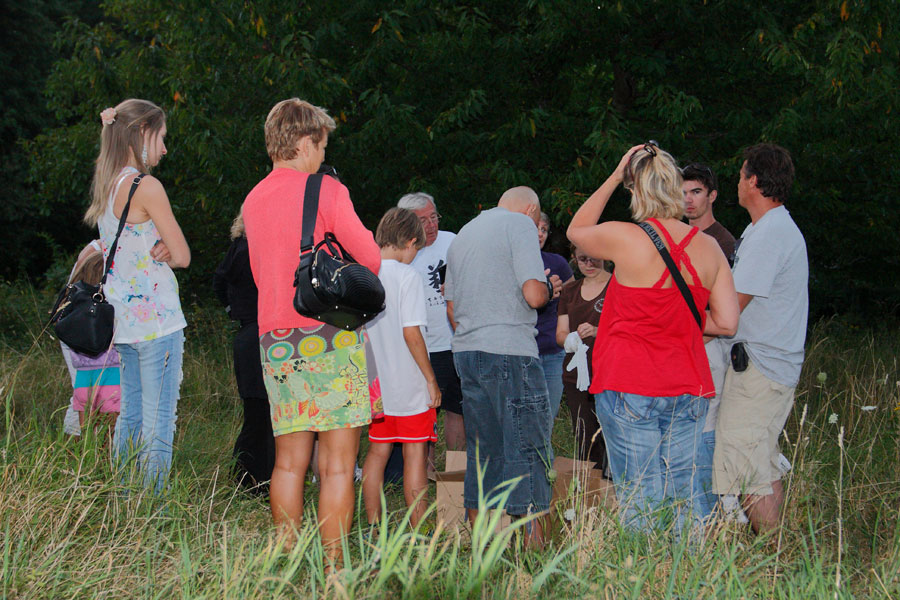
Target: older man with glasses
[430, 263]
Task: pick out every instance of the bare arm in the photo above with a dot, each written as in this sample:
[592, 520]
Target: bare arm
[724, 311]
[744, 300]
[537, 294]
[562, 330]
[604, 240]
[154, 201]
[416, 344]
[450, 315]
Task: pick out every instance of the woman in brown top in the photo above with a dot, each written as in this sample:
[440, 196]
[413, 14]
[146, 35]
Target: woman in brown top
[580, 303]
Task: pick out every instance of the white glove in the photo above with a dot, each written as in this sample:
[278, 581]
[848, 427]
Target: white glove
[579, 361]
[573, 340]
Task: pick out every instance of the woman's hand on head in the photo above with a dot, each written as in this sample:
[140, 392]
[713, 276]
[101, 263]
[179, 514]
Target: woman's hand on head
[619, 173]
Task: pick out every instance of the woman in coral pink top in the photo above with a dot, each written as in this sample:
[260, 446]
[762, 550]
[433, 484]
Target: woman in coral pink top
[651, 377]
[316, 375]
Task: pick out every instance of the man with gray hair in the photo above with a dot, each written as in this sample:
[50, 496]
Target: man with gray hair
[429, 262]
[495, 282]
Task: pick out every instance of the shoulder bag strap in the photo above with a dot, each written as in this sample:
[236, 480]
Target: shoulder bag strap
[673, 269]
[310, 209]
[115, 244]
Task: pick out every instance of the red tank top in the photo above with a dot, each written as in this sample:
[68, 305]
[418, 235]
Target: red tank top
[648, 342]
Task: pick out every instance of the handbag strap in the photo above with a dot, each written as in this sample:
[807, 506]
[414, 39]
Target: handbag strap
[674, 271]
[310, 210]
[115, 244]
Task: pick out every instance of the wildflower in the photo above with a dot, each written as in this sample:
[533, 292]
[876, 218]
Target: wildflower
[868, 408]
[822, 377]
[569, 514]
[833, 418]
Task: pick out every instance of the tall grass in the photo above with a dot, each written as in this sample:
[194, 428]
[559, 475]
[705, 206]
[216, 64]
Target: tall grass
[71, 528]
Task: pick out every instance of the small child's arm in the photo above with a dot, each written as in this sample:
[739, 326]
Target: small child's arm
[416, 344]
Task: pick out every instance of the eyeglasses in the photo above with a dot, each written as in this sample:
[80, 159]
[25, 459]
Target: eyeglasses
[433, 219]
[651, 147]
[543, 229]
[587, 260]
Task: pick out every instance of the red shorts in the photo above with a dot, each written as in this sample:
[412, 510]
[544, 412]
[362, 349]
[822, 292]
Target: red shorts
[404, 430]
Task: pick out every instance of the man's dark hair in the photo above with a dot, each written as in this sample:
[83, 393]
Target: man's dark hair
[773, 168]
[703, 174]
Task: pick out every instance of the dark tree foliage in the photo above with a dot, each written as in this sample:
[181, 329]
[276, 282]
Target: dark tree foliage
[466, 99]
[26, 57]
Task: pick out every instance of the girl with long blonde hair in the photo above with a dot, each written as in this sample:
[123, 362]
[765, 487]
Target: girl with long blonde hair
[141, 285]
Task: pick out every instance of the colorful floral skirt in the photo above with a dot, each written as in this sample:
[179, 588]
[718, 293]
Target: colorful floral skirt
[317, 378]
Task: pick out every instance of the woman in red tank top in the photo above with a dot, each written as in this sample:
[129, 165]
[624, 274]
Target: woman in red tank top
[651, 377]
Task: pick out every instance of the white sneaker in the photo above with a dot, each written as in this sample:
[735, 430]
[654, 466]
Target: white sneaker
[71, 424]
[357, 473]
[732, 510]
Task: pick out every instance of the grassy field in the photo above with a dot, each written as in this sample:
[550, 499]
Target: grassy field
[71, 528]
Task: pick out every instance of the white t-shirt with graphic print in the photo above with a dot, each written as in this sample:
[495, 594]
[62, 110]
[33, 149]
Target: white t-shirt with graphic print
[427, 262]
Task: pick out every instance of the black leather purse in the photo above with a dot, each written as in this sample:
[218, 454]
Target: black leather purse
[81, 317]
[329, 285]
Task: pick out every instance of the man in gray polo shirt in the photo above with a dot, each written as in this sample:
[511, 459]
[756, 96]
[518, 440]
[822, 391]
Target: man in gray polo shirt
[771, 274]
[495, 281]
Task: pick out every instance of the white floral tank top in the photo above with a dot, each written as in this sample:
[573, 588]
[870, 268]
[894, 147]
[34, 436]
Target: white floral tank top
[143, 291]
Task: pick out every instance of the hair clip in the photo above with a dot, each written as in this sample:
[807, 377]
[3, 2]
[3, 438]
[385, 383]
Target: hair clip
[108, 116]
[651, 147]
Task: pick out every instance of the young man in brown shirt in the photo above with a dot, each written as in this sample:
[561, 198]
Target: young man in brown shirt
[700, 190]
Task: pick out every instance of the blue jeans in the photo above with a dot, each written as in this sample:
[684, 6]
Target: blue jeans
[705, 499]
[507, 429]
[145, 429]
[553, 370]
[652, 443]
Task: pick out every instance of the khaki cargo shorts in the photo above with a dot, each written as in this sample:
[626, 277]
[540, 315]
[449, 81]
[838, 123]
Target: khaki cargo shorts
[752, 415]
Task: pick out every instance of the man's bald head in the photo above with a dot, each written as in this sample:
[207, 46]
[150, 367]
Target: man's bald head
[522, 199]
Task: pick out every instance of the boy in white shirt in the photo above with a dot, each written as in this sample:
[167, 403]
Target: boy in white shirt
[409, 388]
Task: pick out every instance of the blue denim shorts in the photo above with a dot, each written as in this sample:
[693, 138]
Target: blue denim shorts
[508, 426]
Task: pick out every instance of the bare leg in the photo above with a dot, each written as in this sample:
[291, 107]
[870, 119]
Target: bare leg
[373, 478]
[292, 454]
[338, 449]
[454, 432]
[315, 458]
[764, 511]
[415, 483]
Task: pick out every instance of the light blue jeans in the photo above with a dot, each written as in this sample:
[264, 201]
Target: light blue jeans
[553, 370]
[652, 443]
[145, 429]
[705, 498]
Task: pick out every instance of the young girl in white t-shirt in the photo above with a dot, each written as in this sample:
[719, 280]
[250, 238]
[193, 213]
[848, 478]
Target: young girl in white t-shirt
[409, 388]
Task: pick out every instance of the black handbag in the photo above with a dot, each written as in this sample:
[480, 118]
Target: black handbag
[81, 317]
[330, 286]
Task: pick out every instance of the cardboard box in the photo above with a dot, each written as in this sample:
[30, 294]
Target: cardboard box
[579, 485]
[449, 493]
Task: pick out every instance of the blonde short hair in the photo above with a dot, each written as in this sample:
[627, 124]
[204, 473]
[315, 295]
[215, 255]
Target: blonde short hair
[656, 188]
[289, 121]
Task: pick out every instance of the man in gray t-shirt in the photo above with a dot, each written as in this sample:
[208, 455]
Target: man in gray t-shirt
[495, 281]
[771, 274]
